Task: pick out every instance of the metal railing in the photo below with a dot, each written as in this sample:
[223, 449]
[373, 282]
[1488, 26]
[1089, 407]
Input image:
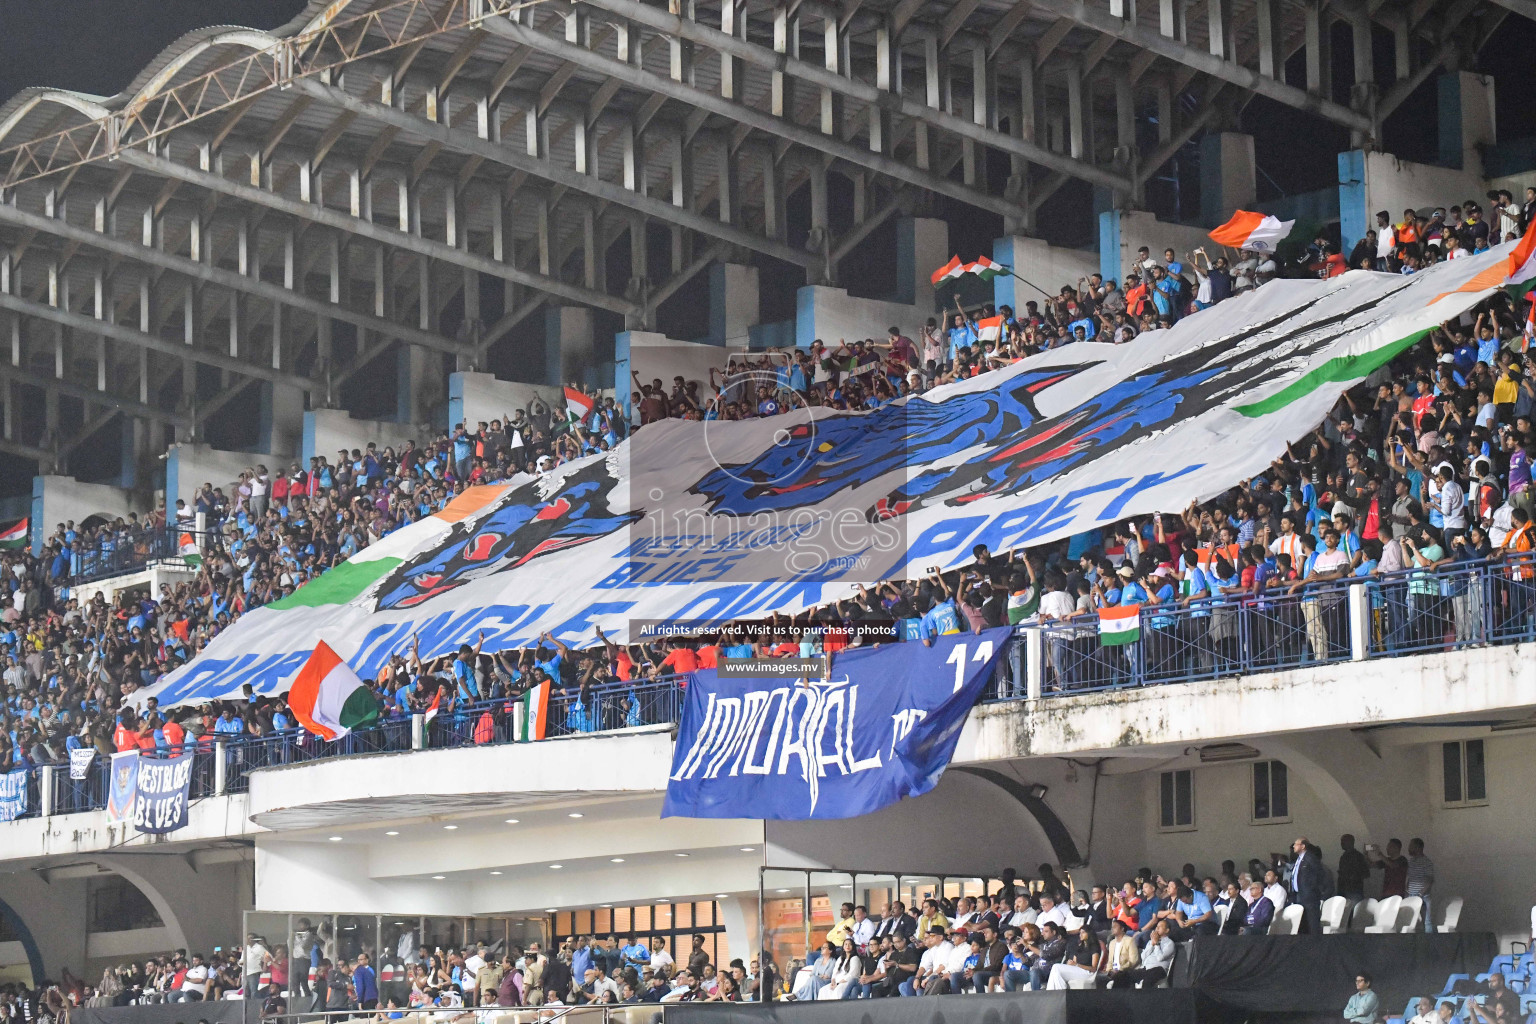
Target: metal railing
[113, 554]
[1418, 611]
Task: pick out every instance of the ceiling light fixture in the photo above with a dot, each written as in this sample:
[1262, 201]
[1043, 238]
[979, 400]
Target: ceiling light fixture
[616, 860]
[556, 867]
[438, 878]
[449, 828]
[575, 814]
[391, 833]
[495, 872]
[335, 839]
[511, 821]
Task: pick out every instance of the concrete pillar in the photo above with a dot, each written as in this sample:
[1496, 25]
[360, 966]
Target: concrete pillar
[1355, 215]
[1043, 270]
[922, 246]
[568, 343]
[1109, 245]
[1466, 118]
[280, 428]
[1227, 176]
[733, 302]
[421, 387]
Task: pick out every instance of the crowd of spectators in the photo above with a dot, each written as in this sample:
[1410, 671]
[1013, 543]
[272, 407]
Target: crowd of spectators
[1043, 934]
[1424, 467]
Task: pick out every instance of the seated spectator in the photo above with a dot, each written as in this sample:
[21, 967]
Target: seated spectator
[1363, 1005]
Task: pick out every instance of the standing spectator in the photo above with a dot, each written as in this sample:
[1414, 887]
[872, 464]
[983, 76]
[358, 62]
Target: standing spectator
[1420, 878]
[254, 960]
[366, 983]
[698, 959]
[1307, 884]
[1394, 867]
[1353, 869]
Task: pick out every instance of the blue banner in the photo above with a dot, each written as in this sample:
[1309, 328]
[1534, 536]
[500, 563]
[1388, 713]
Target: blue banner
[122, 785]
[163, 785]
[882, 727]
[13, 795]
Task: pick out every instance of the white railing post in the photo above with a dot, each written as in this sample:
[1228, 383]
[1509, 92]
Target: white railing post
[45, 791]
[418, 732]
[220, 768]
[1359, 623]
[1034, 663]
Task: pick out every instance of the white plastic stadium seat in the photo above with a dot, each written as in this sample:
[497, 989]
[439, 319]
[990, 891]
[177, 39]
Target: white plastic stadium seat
[1334, 909]
[1409, 917]
[1452, 915]
[1365, 915]
[1288, 921]
[1386, 916]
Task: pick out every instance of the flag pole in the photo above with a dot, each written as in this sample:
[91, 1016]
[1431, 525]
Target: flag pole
[1027, 281]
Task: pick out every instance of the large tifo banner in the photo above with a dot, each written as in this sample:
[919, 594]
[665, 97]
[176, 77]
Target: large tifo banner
[727, 519]
[882, 726]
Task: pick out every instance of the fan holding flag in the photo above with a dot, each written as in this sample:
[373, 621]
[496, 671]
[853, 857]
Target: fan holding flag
[1256, 232]
[578, 404]
[328, 698]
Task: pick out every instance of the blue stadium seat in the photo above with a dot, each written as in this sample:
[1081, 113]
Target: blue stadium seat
[1450, 983]
[1504, 964]
[1528, 1003]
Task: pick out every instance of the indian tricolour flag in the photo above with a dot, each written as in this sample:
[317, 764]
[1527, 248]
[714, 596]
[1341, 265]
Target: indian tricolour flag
[186, 547]
[985, 268]
[1255, 231]
[949, 271]
[535, 712]
[1120, 625]
[16, 536]
[990, 329]
[327, 697]
[577, 404]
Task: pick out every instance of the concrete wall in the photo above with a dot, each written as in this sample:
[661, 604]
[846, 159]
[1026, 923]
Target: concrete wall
[1370, 181]
[61, 499]
[328, 430]
[1044, 267]
[1122, 232]
[833, 315]
[654, 355]
[473, 397]
[188, 466]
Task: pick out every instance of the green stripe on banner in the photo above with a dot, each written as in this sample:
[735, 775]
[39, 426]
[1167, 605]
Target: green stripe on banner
[1334, 371]
[339, 585]
[360, 709]
[1128, 636]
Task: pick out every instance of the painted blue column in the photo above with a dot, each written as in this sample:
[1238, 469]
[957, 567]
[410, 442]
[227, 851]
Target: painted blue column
[455, 399]
[173, 475]
[35, 527]
[1109, 245]
[1354, 209]
[622, 384]
[805, 316]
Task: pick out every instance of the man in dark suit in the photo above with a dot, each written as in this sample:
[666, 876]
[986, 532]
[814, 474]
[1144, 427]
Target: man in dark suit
[1307, 884]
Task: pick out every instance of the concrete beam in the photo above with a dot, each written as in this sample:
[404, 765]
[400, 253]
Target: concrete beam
[671, 24]
[1202, 61]
[712, 103]
[132, 336]
[209, 274]
[315, 213]
[468, 143]
[87, 394]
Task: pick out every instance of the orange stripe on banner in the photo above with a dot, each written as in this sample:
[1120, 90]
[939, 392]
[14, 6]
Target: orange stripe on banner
[472, 500]
[1234, 233]
[1483, 280]
[306, 688]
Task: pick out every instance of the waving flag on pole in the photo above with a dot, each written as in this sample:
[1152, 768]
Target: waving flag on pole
[577, 404]
[949, 271]
[328, 698]
[1248, 230]
[985, 268]
[16, 536]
